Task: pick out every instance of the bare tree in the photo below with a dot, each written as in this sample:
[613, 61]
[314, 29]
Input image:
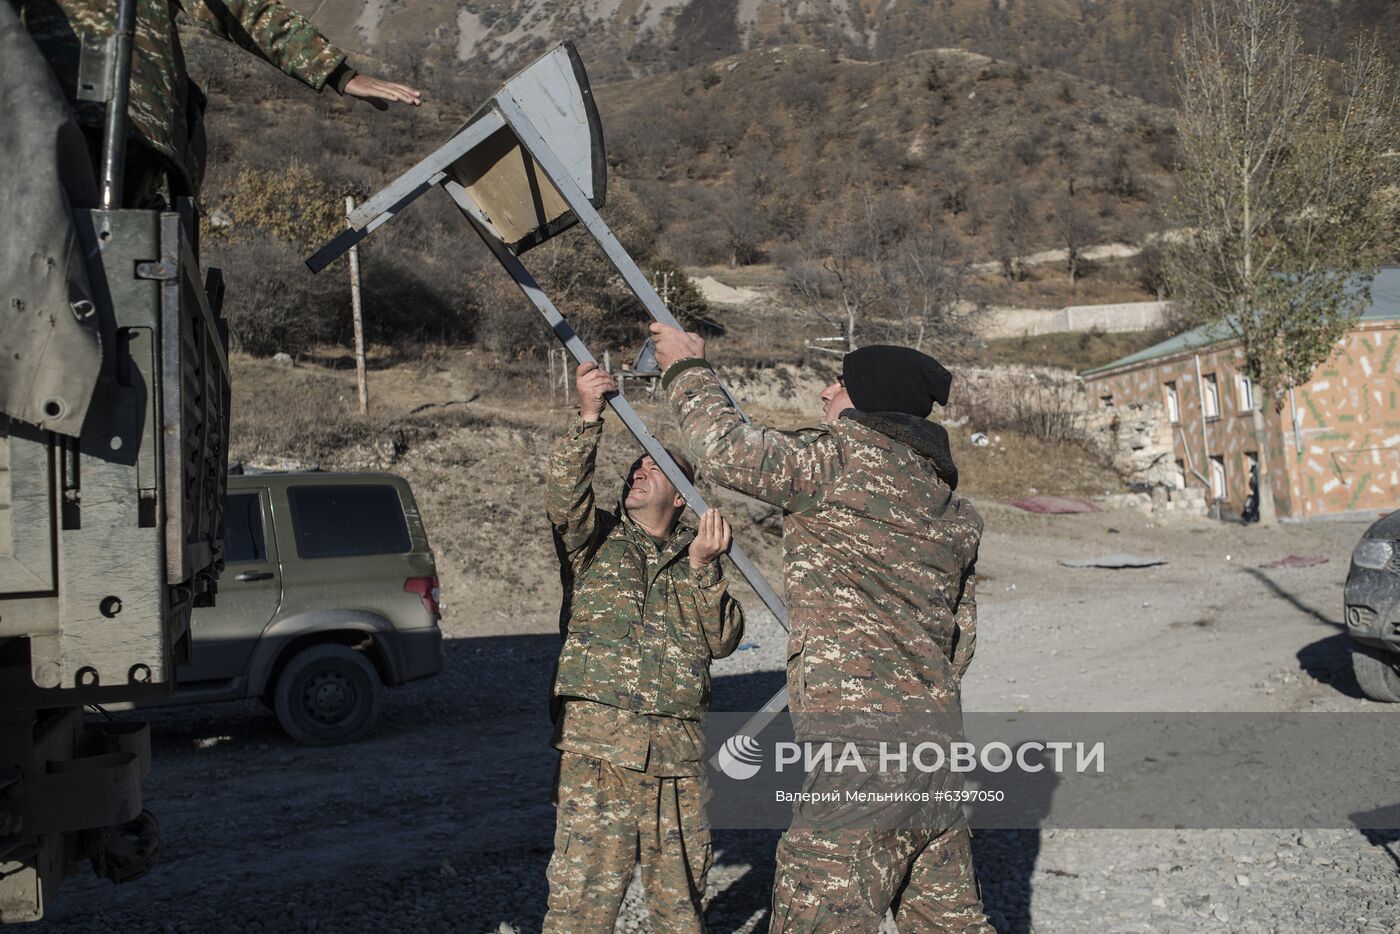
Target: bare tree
[1150, 267]
[744, 229]
[1013, 212]
[927, 282]
[1280, 204]
[839, 273]
[1076, 233]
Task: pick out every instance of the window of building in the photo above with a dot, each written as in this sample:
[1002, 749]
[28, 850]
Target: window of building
[1210, 396]
[1173, 405]
[339, 521]
[1106, 400]
[1217, 476]
[1181, 475]
[1245, 388]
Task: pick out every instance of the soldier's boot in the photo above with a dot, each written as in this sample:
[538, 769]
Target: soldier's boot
[942, 894]
[676, 856]
[595, 846]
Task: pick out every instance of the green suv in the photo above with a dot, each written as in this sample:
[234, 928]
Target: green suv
[329, 593]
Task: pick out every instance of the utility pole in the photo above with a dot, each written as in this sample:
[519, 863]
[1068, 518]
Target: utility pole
[358, 318]
[661, 282]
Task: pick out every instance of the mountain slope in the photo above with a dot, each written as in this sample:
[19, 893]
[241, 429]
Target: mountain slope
[1124, 43]
[767, 143]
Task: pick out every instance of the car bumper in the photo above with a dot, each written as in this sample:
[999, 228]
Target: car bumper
[1372, 613]
[420, 653]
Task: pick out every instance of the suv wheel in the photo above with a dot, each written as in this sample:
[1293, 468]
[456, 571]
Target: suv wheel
[327, 694]
[1377, 671]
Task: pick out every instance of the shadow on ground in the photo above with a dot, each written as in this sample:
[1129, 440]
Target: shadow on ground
[1328, 660]
[444, 812]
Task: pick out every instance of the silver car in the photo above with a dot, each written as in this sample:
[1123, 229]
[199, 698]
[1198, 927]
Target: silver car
[1373, 610]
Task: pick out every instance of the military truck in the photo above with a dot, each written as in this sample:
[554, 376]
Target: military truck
[114, 402]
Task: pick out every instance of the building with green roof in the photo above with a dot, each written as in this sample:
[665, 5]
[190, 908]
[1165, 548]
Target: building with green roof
[1334, 447]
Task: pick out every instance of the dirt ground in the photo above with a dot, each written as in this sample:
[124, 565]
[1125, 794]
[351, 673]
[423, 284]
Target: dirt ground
[442, 820]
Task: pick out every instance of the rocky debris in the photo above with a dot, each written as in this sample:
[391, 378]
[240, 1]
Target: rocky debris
[786, 387]
[1136, 438]
[283, 359]
[1181, 501]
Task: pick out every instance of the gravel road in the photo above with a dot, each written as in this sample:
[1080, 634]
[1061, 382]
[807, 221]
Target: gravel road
[442, 820]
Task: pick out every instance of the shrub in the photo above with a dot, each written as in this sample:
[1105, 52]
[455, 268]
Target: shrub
[1047, 405]
[272, 306]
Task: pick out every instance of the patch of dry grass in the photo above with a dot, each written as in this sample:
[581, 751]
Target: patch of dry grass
[1075, 350]
[1019, 465]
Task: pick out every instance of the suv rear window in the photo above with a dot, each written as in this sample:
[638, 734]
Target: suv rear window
[341, 521]
[243, 529]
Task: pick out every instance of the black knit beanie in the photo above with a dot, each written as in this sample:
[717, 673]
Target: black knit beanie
[882, 378]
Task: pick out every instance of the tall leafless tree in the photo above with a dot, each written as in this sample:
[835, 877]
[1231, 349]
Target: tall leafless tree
[1012, 213]
[927, 282]
[1076, 232]
[1281, 209]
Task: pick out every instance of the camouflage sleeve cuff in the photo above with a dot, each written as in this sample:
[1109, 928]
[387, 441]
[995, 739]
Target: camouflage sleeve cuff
[679, 367]
[340, 77]
[580, 427]
[708, 575]
[318, 71]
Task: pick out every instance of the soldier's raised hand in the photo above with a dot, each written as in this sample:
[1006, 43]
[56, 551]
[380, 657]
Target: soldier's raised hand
[381, 93]
[672, 344]
[593, 384]
[711, 541]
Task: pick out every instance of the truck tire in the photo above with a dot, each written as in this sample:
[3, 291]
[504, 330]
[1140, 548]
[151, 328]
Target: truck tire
[1377, 672]
[327, 694]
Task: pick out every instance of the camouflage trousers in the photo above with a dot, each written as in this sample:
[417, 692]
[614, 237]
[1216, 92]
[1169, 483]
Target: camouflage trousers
[606, 816]
[843, 882]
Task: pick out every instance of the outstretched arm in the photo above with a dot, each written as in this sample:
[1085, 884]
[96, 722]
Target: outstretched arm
[786, 469]
[287, 39]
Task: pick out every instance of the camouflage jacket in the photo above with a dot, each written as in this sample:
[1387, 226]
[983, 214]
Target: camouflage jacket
[166, 108]
[641, 626]
[878, 549]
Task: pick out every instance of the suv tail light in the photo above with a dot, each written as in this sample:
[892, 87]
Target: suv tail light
[427, 590]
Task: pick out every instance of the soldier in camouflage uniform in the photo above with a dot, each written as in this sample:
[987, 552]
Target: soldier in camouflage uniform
[879, 559]
[646, 609]
[166, 108]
